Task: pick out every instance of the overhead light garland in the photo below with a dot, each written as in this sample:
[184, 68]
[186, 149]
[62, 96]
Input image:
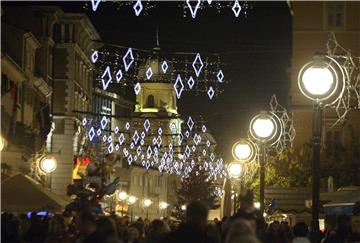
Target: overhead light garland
[146, 144]
[189, 7]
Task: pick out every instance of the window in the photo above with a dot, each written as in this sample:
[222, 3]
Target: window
[150, 103]
[335, 15]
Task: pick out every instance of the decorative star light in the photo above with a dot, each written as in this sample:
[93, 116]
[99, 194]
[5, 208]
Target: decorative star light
[128, 59]
[138, 150]
[193, 10]
[147, 125]
[193, 148]
[84, 122]
[95, 4]
[159, 131]
[148, 152]
[164, 66]
[130, 159]
[187, 133]
[127, 126]
[121, 139]
[137, 88]
[236, 8]
[211, 92]
[94, 56]
[191, 82]
[132, 145]
[106, 80]
[149, 73]
[109, 139]
[142, 134]
[187, 151]
[190, 123]
[159, 141]
[119, 76]
[116, 130]
[136, 137]
[98, 132]
[117, 147]
[203, 128]
[208, 143]
[154, 141]
[91, 133]
[212, 157]
[209, 1]
[138, 7]
[198, 64]
[220, 76]
[180, 89]
[111, 148]
[103, 122]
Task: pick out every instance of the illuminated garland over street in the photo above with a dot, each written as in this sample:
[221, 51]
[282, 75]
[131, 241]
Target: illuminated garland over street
[144, 144]
[190, 7]
[118, 67]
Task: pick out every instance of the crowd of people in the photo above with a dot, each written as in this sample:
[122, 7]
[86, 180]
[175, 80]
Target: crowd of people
[246, 226]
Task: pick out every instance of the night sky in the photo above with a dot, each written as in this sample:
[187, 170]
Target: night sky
[256, 50]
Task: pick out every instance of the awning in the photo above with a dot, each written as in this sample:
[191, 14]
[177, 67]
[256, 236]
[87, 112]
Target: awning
[343, 205]
[20, 193]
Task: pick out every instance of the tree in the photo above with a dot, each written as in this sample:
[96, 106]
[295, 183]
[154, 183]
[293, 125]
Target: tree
[196, 187]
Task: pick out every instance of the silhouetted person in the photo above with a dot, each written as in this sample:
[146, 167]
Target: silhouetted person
[301, 233]
[194, 230]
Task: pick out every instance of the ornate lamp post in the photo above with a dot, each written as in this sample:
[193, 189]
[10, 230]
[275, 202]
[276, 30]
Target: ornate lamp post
[163, 206]
[122, 196]
[147, 202]
[322, 81]
[265, 129]
[47, 165]
[131, 201]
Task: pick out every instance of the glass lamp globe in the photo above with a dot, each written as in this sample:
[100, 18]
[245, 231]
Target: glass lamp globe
[263, 127]
[235, 169]
[163, 205]
[317, 80]
[131, 199]
[147, 202]
[122, 196]
[48, 164]
[242, 151]
[183, 207]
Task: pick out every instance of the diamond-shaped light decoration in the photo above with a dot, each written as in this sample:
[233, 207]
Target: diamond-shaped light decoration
[94, 56]
[204, 152]
[211, 92]
[191, 82]
[128, 59]
[198, 64]
[159, 131]
[178, 86]
[164, 66]
[236, 8]
[117, 147]
[98, 132]
[187, 151]
[104, 138]
[209, 1]
[138, 7]
[203, 128]
[193, 9]
[190, 123]
[136, 137]
[149, 73]
[127, 126]
[111, 148]
[208, 143]
[95, 4]
[132, 145]
[84, 121]
[159, 141]
[212, 157]
[119, 76]
[220, 76]
[103, 122]
[109, 139]
[147, 125]
[106, 78]
[121, 139]
[91, 133]
[142, 134]
[130, 159]
[116, 130]
[137, 88]
[148, 152]
[187, 133]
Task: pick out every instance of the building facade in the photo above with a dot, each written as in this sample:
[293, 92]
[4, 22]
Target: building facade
[313, 24]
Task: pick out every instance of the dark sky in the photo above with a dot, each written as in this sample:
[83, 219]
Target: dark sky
[256, 49]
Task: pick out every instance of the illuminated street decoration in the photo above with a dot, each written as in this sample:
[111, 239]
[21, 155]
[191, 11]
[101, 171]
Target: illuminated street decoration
[138, 7]
[193, 10]
[119, 76]
[236, 8]
[220, 76]
[211, 92]
[106, 78]
[95, 4]
[103, 122]
[94, 56]
[149, 73]
[128, 59]
[164, 66]
[191, 82]
[178, 86]
[137, 88]
[91, 133]
[198, 64]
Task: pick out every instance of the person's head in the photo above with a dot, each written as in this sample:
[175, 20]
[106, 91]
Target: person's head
[197, 213]
[132, 234]
[56, 226]
[275, 226]
[241, 231]
[106, 226]
[300, 230]
[247, 200]
[157, 229]
[216, 220]
[86, 222]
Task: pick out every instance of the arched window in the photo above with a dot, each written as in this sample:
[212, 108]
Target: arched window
[150, 103]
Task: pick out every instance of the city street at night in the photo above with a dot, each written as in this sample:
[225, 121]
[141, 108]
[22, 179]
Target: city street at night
[194, 121]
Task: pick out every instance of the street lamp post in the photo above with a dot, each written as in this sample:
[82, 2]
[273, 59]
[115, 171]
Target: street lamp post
[122, 196]
[163, 206]
[47, 165]
[265, 128]
[322, 81]
[147, 203]
[131, 201]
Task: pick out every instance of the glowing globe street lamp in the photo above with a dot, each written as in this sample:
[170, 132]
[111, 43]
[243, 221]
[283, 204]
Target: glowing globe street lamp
[48, 164]
[163, 206]
[122, 196]
[321, 80]
[235, 169]
[265, 129]
[131, 202]
[147, 202]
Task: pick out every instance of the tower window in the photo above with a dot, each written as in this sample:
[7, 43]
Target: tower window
[150, 103]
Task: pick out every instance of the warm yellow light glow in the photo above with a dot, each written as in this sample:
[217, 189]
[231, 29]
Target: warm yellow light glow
[131, 199]
[121, 196]
[256, 204]
[242, 151]
[263, 127]
[163, 205]
[48, 164]
[235, 169]
[2, 143]
[147, 202]
[317, 80]
[183, 207]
